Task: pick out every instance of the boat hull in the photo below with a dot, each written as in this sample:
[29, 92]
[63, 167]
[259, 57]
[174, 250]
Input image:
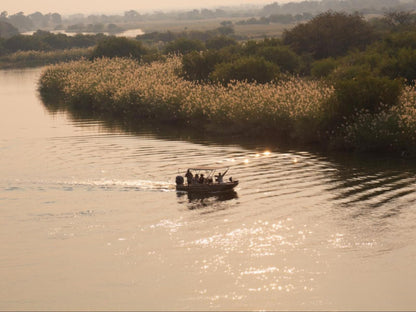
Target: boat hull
[207, 188]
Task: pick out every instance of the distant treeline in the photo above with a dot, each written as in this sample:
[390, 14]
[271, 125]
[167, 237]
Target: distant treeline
[46, 41]
[282, 13]
[7, 30]
[349, 6]
[226, 29]
[277, 18]
[32, 21]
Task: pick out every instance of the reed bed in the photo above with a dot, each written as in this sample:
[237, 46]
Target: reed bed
[122, 86]
[292, 109]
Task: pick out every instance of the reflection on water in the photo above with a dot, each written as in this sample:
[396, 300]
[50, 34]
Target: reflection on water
[203, 201]
[90, 218]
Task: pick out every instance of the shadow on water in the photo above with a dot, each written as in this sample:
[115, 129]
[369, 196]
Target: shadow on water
[207, 203]
[159, 130]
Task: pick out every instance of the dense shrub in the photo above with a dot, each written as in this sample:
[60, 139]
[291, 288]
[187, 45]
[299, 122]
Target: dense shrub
[361, 91]
[184, 46]
[198, 67]
[323, 68]
[46, 41]
[282, 56]
[251, 69]
[219, 42]
[330, 34]
[119, 47]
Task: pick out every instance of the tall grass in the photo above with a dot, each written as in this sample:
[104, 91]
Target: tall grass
[122, 86]
[40, 58]
[292, 109]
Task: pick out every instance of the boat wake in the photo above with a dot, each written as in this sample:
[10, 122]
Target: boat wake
[125, 185]
[91, 185]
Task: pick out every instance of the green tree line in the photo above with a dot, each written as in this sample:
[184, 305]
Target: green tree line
[47, 41]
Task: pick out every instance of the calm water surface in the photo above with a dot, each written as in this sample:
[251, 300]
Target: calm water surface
[90, 219]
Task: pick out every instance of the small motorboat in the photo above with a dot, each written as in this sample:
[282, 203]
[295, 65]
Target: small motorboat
[205, 180]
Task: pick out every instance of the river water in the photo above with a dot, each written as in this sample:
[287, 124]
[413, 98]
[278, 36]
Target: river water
[90, 220]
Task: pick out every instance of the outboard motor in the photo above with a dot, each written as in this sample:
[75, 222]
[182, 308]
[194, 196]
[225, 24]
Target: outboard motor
[179, 180]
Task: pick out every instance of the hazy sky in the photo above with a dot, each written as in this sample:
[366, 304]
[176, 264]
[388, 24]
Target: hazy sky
[116, 6]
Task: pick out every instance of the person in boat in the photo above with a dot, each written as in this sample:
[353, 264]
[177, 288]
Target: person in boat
[189, 176]
[201, 179]
[220, 177]
[196, 178]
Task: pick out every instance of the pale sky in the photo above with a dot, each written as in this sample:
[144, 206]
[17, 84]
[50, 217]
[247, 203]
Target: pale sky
[65, 7]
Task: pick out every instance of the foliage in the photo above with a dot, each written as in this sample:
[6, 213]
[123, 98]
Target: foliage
[393, 129]
[119, 47]
[7, 30]
[323, 68]
[219, 42]
[251, 61]
[282, 56]
[314, 6]
[292, 109]
[277, 18]
[40, 58]
[251, 69]
[184, 46]
[360, 90]
[198, 67]
[46, 41]
[33, 21]
[393, 57]
[330, 34]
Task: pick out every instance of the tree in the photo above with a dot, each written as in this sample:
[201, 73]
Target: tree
[226, 30]
[132, 15]
[184, 46]
[20, 21]
[282, 56]
[322, 68]
[56, 19]
[359, 90]
[398, 18]
[220, 42]
[119, 47]
[7, 30]
[251, 69]
[330, 34]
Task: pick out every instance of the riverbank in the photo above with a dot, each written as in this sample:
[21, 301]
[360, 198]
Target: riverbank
[291, 110]
[22, 59]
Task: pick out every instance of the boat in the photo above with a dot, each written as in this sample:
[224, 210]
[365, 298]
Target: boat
[212, 180]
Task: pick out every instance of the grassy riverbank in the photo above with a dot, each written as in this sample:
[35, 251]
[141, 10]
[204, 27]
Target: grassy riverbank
[22, 59]
[293, 109]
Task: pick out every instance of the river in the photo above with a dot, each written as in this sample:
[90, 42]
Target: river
[90, 220]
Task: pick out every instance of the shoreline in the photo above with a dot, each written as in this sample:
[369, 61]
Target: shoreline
[288, 112]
